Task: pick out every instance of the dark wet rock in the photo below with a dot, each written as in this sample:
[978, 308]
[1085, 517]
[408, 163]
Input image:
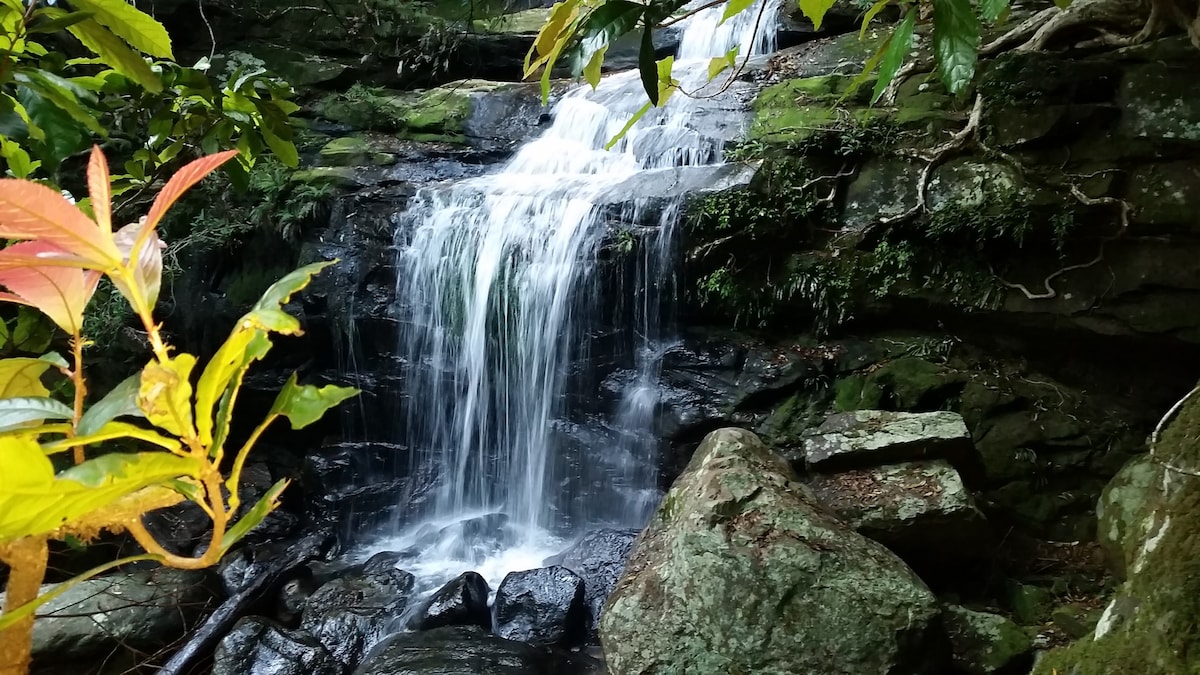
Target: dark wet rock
[351, 613]
[144, 610]
[599, 559]
[873, 437]
[542, 606]
[742, 570]
[921, 509]
[179, 528]
[458, 650]
[256, 646]
[984, 644]
[463, 601]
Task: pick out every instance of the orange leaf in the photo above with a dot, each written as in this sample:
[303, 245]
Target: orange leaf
[32, 211]
[60, 293]
[183, 179]
[99, 189]
[43, 255]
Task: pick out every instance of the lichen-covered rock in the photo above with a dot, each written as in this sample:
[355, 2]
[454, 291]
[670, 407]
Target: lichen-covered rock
[741, 570]
[916, 508]
[872, 437]
[144, 610]
[542, 606]
[256, 646]
[1125, 511]
[1149, 626]
[982, 643]
[351, 613]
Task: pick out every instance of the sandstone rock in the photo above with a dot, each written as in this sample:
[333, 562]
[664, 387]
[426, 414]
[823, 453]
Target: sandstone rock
[872, 437]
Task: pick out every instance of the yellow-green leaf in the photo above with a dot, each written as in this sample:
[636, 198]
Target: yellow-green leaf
[815, 10]
[897, 49]
[35, 132]
[628, 125]
[305, 404]
[121, 401]
[113, 431]
[871, 14]
[130, 24]
[254, 516]
[116, 54]
[23, 377]
[591, 72]
[733, 8]
[165, 394]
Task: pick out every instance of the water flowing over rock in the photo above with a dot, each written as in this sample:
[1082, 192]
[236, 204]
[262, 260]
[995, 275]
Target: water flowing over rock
[741, 570]
[542, 606]
[351, 613]
[461, 602]
[256, 646]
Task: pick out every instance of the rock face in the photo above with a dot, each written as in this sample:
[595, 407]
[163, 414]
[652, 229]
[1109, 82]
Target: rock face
[467, 651]
[982, 643]
[1150, 624]
[542, 606]
[143, 610]
[351, 613]
[256, 646]
[1125, 511]
[741, 570]
[916, 508]
[599, 559]
[463, 601]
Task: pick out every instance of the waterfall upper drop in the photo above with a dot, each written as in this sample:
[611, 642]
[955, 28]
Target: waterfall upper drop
[498, 277]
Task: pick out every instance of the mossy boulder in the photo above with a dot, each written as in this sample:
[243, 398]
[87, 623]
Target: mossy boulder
[743, 571]
[875, 437]
[983, 643]
[1125, 511]
[438, 114]
[355, 150]
[1151, 624]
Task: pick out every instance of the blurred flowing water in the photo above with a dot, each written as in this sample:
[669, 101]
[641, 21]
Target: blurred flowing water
[501, 280]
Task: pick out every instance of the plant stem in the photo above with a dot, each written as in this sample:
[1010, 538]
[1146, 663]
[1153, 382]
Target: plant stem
[80, 393]
[26, 559]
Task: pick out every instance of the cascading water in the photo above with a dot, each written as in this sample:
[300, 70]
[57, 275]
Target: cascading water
[499, 278]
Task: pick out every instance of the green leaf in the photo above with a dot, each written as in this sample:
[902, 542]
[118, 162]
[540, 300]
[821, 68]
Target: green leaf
[898, 46]
[63, 93]
[33, 331]
[280, 292]
[130, 24]
[120, 402]
[992, 10]
[955, 42]
[647, 66]
[733, 8]
[285, 151]
[116, 54]
[113, 431]
[666, 84]
[611, 20]
[305, 404]
[254, 516]
[23, 410]
[60, 21]
[719, 64]
[20, 165]
[815, 10]
[35, 132]
[591, 72]
[871, 14]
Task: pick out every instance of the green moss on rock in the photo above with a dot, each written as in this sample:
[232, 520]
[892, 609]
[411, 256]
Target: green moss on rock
[983, 643]
[439, 114]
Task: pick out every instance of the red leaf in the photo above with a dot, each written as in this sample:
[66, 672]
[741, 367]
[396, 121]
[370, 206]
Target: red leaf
[99, 189]
[183, 179]
[35, 212]
[60, 293]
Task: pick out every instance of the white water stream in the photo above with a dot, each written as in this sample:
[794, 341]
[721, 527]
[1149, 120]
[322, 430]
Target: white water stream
[499, 273]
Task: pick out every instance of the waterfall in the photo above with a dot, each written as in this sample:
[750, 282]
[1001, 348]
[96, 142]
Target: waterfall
[499, 284]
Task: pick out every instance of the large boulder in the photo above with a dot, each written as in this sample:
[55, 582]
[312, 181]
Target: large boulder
[599, 559]
[256, 646]
[463, 601]
[542, 606]
[461, 650]
[921, 509]
[1149, 626]
[1124, 511]
[143, 610]
[742, 570]
[353, 612]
